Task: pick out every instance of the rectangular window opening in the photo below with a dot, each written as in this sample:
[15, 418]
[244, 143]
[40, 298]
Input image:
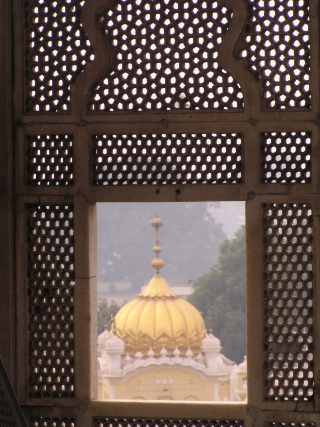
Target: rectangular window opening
[172, 301]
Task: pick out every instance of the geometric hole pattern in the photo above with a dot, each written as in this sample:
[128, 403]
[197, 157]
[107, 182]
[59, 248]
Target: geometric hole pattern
[164, 56]
[288, 301]
[276, 48]
[56, 52]
[286, 157]
[52, 422]
[132, 422]
[147, 159]
[49, 159]
[6, 415]
[288, 424]
[50, 264]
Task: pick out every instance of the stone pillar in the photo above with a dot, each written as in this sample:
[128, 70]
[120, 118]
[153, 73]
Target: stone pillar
[211, 348]
[114, 350]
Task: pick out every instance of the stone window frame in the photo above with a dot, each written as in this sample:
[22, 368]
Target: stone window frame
[257, 411]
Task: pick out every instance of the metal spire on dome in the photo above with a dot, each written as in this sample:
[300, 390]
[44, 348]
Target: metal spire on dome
[157, 263]
[158, 317]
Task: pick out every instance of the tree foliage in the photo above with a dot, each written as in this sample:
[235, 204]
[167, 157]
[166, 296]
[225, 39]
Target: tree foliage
[106, 313]
[220, 296]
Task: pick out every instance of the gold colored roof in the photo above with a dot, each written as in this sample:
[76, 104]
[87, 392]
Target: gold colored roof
[159, 318]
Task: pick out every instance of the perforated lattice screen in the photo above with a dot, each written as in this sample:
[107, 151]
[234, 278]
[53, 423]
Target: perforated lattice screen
[170, 59]
[56, 52]
[286, 157]
[164, 55]
[288, 301]
[50, 261]
[276, 48]
[52, 422]
[49, 159]
[288, 424]
[134, 422]
[166, 159]
[6, 416]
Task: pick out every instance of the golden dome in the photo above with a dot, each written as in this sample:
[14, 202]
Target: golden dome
[159, 318]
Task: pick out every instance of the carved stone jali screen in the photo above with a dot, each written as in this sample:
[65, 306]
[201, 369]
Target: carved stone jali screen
[163, 100]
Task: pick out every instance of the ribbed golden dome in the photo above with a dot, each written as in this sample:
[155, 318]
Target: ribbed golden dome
[159, 318]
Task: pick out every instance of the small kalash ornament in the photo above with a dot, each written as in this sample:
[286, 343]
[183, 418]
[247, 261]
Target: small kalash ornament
[157, 263]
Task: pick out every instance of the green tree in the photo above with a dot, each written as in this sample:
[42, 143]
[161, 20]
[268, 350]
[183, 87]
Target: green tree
[106, 313]
[189, 238]
[220, 296]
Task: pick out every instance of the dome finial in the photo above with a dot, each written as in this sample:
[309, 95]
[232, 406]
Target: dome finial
[157, 262]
